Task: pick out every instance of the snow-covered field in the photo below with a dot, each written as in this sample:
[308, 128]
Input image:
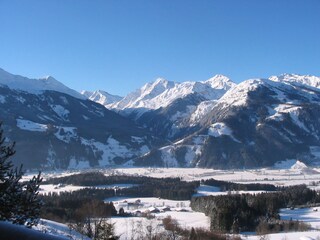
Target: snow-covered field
[205, 190]
[283, 174]
[290, 172]
[159, 209]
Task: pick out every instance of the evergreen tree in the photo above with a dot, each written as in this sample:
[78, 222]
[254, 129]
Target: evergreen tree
[193, 235]
[18, 200]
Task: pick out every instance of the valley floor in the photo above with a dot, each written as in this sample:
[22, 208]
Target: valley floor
[126, 227]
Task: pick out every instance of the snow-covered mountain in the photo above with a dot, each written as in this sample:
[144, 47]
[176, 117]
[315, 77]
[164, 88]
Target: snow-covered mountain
[55, 129]
[144, 97]
[212, 123]
[162, 93]
[169, 109]
[35, 86]
[101, 97]
[312, 81]
[256, 123]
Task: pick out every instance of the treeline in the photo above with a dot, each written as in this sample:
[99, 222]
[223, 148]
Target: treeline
[168, 188]
[232, 213]
[98, 178]
[74, 206]
[231, 186]
[94, 179]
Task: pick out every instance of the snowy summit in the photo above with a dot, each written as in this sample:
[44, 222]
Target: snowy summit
[35, 86]
[162, 93]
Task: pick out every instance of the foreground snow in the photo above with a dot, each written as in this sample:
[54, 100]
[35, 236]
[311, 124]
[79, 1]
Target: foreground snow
[58, 229]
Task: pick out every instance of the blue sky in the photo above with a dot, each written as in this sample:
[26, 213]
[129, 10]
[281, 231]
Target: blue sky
[118, 45]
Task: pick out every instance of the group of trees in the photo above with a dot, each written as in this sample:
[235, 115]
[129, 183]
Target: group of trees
[75, 207]
[175, 231]
[232, 213]
[232, 186]
[168, 188]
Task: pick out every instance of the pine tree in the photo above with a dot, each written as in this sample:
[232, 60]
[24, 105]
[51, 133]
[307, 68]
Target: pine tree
[18, 200]
[193, 235]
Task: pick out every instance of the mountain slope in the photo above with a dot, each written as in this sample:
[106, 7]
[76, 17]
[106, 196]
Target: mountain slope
[101, 97]
[256, 123]
[53, 129]
[35, 86]
[169, 109]
[162, 93]
[144, 98]
[312, 81]
[213, 123]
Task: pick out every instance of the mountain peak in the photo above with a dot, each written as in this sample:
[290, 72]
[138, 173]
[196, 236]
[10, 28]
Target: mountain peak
[155, 88]
[101, 97]
[48, 78]
[161, 80]
[310, 80]
[86, 93]
[220, 81]
[35, 86]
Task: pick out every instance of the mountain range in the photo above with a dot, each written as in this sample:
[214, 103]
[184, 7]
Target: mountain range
[214, 123]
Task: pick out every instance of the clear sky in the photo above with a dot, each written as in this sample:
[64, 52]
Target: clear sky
[118, 45]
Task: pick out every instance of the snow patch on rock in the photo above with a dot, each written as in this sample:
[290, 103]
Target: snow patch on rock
[167, 156]
[219, 129]
[238, 95]
[202, 110]
[31, 126]
[60, 111]
[137, 139]
[107, 152]
[66, 134]
[2, 99]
